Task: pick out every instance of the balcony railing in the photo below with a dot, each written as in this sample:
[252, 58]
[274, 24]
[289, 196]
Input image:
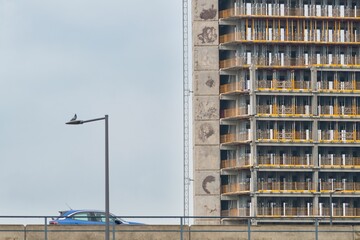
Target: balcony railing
[338, 160]
[310, 36]
[277, 61]
[292, 212]
[285, 187]
[284, 85]
[341, 111]
[234, 112]
[235, 188]
[340, 212]
[277, 160]
[284, 136]
[344, 186]
[287, 211]
[236, 163]
[236, 212]
[288, 12]
[336, 136]
[234, 138]
[284, 110]
[325, 86]
[234, 87]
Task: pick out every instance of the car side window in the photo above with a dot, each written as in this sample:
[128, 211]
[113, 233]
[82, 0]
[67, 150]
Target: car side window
[102, 218]
[99, 217]
[81, 216]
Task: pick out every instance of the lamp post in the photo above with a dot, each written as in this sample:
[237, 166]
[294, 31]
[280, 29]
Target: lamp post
[74, 121]
[331, 208]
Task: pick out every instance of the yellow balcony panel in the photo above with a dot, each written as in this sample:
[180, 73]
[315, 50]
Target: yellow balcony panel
[234, 112]
[230, 164]
[235, 188]
[236, 212]
[236, 87]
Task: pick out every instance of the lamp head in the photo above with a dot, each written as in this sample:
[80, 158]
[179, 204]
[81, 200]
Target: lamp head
[73, 121]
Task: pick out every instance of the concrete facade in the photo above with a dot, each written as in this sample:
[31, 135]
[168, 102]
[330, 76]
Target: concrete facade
[276, 109]
[173, 232]
[206, 110]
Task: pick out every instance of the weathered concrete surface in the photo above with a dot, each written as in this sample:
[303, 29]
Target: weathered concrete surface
[208, 159]
[206, 83]
[261, 232]
[141, 232]
[173, 232]
[204, 10]
[12, 232]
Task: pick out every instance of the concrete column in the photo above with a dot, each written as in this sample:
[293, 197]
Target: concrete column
[316, 205]
[206, 109]
[315, 158]
[253, 189]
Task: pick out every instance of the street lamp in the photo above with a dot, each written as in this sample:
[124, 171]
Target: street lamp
[74, 121]
[331, 208]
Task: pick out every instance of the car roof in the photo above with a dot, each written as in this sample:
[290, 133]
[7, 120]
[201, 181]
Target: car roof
[70, 212]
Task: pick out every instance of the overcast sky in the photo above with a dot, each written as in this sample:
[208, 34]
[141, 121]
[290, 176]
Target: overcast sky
[90, 57]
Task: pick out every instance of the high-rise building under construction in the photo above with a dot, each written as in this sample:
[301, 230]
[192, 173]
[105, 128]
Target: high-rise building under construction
[276, 110]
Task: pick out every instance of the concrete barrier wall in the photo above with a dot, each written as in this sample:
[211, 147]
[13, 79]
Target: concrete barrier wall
[12, 232]
[141, 232]
[173, 232]
[272, 232]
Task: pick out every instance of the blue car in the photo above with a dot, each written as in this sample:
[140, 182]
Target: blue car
[87, 217]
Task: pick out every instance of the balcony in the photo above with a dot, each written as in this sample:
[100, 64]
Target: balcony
[241, 162]
[236, 212]
[252, 36]
[283, 136]
[285, 187]
[340, 212]
[331, 161]
[284, 211]
[292, 212]
[326, 187]
[301, 13]
[263, 62]
[278, 61]
[334, 136]
[233, 139]
[283, 110]
[336, 111]
[235, 188]
[236, 87]
[269, 160]
[287, 85]
[337, 86]
[241, 112]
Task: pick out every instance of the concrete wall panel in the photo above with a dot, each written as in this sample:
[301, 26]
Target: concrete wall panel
[12, 232]
[173, 232]
[206, 58]
[83, 232]
[207, 157]
[206, 183]
[205, 10]
[206, 132]
[208, 206]
[205, 33]
[206, 108]
[206, 83]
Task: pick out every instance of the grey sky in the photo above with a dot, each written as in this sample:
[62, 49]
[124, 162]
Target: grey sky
[90, 57]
